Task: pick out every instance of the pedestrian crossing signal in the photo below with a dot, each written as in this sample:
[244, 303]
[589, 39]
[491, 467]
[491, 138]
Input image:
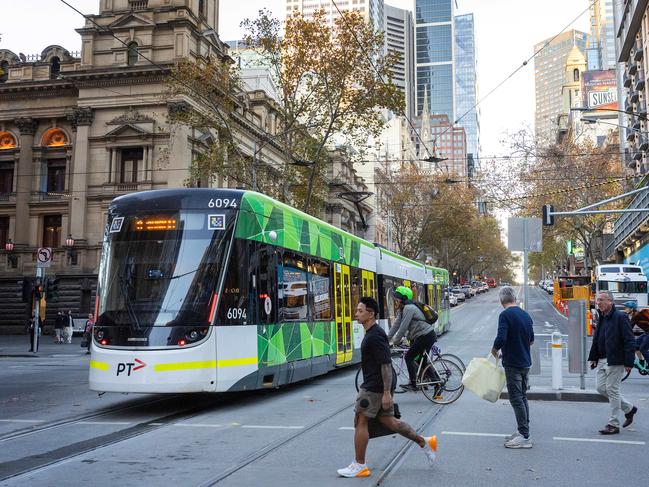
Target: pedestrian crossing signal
[548, 217]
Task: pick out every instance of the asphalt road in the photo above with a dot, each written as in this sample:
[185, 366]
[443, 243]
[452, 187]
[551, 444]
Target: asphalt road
[54, 432]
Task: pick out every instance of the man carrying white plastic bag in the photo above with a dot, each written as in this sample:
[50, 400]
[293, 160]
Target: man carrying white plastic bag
[484, 378]
[514, 339]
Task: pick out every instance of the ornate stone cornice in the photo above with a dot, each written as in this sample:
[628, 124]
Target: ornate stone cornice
[131, 116]
[27, 126]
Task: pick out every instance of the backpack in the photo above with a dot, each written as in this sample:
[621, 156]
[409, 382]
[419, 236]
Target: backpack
[429, 313]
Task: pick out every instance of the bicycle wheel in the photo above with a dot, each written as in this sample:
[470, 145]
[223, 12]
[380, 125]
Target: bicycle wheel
[439, 382]
[400, 368]
[454, 358]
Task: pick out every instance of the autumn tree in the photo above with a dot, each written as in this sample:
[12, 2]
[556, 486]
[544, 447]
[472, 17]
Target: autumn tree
[333, 80]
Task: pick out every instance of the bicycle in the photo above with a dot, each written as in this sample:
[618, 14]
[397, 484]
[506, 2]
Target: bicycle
[642, 370]
[440, 379]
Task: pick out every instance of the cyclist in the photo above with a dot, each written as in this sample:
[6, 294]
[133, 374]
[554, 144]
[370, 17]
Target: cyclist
[411, 323]
[640, 318]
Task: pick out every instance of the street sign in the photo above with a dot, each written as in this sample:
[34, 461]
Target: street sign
[44, 257]
[524, 234]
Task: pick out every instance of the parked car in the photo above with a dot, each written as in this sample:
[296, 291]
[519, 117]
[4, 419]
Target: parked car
[485, 287]
[452, 299]
[459, 293]
[469, 289]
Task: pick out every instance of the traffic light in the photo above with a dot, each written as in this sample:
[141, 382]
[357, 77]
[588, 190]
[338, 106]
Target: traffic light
[28, 289]
[52, 289]
[548, 218]
[38, 290]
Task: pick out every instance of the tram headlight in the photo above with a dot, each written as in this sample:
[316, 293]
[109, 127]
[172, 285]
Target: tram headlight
[100, 334]
[194, 335]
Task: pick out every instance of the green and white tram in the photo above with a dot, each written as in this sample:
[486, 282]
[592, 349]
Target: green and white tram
[227, 290]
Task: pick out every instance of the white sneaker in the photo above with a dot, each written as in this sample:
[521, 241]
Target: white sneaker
[430, 448]
[519, 441]
[512, 436]
[355, 469]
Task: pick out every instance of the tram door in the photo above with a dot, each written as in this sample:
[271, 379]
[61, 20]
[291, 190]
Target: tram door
[344, 314]
[369, 284]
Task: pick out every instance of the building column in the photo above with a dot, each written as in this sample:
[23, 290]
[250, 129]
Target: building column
[24, 178]
[111, 151]
[78, 198]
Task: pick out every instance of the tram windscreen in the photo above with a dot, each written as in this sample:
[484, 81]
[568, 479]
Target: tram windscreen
[159, 274]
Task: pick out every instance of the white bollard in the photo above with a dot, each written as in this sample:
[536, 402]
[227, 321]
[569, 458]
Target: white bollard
[557, 355]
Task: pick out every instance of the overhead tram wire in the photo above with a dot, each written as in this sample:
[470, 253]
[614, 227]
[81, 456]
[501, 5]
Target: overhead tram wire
[525, 62]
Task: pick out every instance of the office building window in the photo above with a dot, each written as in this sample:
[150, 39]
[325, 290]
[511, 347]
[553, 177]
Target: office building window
[4, 231]
[52, 231]
[6, 178]
[55, 176]
[132, 54]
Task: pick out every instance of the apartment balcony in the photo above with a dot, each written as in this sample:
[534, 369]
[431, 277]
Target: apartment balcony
[110, 190]
[641, 108]
[629, 160]
[136, 5]
[635, 96]
[633, 69]
[7, 199]
[627, 80]
[643, 143]
[630, 136]
[50, 196]
[639, 81]
[636, 123]
[639, 50]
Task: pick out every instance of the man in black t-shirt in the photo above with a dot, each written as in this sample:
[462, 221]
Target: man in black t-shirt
[375, 396]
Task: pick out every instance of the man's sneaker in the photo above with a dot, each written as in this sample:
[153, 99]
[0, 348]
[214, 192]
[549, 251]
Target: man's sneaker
[519, 441]
[355, 469]
[408, 387]
[609, 429]
[512, 436]
[430, 448]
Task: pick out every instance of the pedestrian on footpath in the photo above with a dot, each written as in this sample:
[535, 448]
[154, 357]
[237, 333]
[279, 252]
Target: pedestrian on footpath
[375, 396]
[59, 325]
[639, 318]
[514, 339]
[70, 327]
[611, 354]
[87, 332]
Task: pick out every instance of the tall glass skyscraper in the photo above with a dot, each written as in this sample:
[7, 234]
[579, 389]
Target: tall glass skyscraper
[601, 45]
[434, 56]
[466, 82]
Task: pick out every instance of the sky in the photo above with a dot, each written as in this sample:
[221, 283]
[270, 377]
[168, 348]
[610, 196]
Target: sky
[506, 31]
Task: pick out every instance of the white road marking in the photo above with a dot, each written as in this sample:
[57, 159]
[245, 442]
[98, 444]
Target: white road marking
[271, 427]
[548, 325]
[466, 433]
[346, 428]
[22, 420]
[59, 356]
[199, 425]
[105, 422]
[593, 440]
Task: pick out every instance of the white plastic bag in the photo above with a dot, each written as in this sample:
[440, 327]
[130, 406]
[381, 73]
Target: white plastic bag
[484, 378]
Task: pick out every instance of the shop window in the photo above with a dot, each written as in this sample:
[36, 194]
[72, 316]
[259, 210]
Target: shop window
[292, 279]
[55, 176]
[52, 231]
[130, 161]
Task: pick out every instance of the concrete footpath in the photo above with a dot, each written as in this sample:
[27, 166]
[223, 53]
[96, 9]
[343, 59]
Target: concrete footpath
[18, 346]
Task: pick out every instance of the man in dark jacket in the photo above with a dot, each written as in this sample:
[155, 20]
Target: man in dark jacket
[514, 339]
[59, 325]
[612, 353]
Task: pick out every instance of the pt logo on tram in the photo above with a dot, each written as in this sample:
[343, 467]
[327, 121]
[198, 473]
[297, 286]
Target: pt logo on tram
[129, 367]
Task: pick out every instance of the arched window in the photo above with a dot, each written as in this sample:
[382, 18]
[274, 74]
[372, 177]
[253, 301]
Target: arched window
[7, 141]
[54, 138]
[132, 54]
[575, 75]
[55, 68]
[4, 71]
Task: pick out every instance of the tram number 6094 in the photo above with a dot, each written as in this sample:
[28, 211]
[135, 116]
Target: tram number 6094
[222, 203]
[236, 314]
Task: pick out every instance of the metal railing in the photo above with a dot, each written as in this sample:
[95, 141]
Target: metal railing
[628, 222]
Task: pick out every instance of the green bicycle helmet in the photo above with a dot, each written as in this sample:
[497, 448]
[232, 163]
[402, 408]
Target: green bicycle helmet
[403, 293]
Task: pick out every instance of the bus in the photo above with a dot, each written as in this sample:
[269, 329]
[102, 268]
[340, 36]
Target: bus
[627, 282]
[491, 282]
[214, 290]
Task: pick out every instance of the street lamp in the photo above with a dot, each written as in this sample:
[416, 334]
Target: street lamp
[12, 260]
[72, 253]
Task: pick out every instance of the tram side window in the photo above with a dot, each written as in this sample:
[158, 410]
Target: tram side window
[388, 288]
[292, 277]
[320, 290]
[235, 300]
[356, 287]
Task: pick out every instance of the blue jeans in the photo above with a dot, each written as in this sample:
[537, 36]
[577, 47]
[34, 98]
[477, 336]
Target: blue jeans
[517, 389]
[642, 342]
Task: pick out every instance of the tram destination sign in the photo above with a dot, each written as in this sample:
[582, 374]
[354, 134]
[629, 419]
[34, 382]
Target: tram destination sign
[524, 234]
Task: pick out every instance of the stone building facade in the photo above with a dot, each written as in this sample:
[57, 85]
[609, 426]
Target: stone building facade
[78, 130]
